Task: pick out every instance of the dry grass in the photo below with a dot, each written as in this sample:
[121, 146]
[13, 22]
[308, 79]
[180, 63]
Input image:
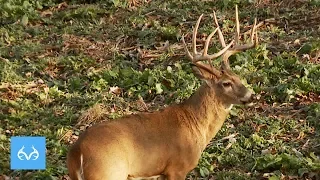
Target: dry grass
[93, 114]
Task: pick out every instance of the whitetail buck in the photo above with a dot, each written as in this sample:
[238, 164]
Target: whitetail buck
[167, 143]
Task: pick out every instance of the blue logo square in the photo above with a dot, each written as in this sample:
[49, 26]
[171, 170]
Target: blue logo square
[28, 152]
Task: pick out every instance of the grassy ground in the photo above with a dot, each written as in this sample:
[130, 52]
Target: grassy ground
[57, 60]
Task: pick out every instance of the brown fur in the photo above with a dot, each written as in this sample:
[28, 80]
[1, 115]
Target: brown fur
[167, 142]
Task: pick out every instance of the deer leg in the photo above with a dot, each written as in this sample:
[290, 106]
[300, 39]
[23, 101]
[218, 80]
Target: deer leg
[162, 177]
[103, 169]
[176, 176]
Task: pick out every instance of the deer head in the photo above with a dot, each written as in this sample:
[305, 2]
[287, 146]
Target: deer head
[223, 81]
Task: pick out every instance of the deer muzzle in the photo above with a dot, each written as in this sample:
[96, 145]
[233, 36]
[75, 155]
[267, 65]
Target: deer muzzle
[247, 98]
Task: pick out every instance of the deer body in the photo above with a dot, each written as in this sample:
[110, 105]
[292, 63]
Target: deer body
[162, 142]
[167, 143]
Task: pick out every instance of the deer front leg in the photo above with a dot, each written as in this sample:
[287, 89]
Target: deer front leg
[176, 176]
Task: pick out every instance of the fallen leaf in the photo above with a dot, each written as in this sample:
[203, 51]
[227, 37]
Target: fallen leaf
[115, 90]
[46, 13]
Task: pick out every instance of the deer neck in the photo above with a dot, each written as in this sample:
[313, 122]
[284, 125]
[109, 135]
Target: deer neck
[206, 113]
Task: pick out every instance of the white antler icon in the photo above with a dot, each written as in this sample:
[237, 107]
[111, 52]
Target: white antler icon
[34, 154]
[21, 153]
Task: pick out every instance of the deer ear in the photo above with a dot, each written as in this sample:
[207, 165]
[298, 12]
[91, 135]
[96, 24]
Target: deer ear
[201, 73]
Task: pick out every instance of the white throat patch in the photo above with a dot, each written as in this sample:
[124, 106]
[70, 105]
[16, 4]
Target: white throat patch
[229, 108]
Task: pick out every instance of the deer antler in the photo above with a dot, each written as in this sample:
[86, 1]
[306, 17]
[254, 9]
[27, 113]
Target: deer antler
[226, 52]
[195, 57]
[237, 47]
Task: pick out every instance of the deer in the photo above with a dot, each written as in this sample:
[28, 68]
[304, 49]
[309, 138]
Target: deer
[167, 144]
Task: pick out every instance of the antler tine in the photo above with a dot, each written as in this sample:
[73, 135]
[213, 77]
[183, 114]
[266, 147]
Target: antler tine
[220, 35]
[194, 41]
[194, 35]
[216, 55]
[237, 27]
[238, 48]
[186, 48]
[206, 45]
[254, 32]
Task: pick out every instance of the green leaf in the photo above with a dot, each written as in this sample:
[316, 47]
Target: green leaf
[151, 80]
[158, 88]
[24, 20]
[3, 137]
[178, 65]
[273, 178]
[305, 49]
[112, 74]
[302, 171]
[127, 72]
[26, 4]
[39, 6]
[8, 6]
[169, 69]
[234, 112]
[314, 157]
[204, 172]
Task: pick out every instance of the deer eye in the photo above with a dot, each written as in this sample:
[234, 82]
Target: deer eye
[226, 84]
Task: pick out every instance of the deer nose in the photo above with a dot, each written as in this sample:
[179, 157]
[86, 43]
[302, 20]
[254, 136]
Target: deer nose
[247, 98]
